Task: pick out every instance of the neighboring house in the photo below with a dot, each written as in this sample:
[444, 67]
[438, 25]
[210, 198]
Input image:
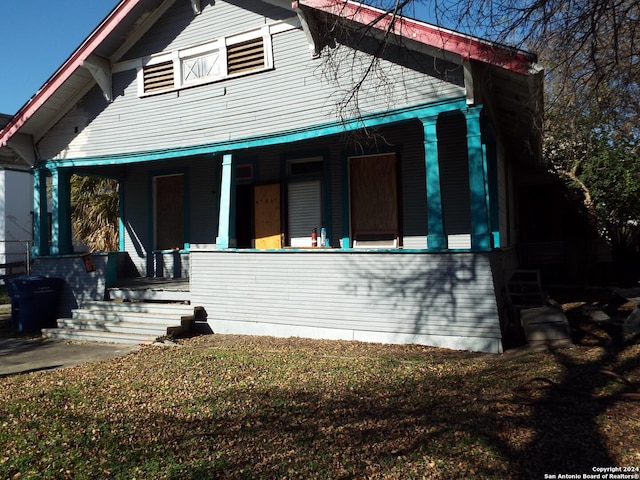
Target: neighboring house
[219, 120]
[16, 204]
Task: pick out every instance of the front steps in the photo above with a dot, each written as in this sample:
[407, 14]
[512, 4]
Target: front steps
[134, 317]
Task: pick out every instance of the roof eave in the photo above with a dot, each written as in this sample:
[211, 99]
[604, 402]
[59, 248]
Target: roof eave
[71, 65]
[466, 47]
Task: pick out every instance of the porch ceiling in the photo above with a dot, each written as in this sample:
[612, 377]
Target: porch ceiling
[515, 105]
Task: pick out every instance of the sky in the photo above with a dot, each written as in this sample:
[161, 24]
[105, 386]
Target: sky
[38, 36]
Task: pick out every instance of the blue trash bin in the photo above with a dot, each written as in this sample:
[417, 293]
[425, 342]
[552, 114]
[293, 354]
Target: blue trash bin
[34, 302]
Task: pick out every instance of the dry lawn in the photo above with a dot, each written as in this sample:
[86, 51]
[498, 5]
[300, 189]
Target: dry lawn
[246, 407]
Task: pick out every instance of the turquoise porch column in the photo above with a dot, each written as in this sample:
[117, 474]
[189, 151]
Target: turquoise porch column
[478, 185]
[436, 239]
[40, 213]
[226, 215]
[61, 242]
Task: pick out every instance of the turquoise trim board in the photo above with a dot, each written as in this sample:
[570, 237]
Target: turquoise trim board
[121, 214]
[305, 133]
[478, 187]
[345, 240]
[40, 214]
[61, 243]
[436, 239]
[491, 157]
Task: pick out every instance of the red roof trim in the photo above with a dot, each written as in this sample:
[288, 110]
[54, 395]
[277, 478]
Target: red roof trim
[63, 73]
[467, 47]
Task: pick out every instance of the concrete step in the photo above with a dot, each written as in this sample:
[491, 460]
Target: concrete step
[143, 307]
[149, 294]
[126, 322]
[124, 316]
[148, 329]
[97, 336]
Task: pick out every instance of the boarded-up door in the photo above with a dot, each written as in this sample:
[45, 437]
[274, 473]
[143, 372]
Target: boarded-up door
[374, 200]
[169, 212]
[267, 223]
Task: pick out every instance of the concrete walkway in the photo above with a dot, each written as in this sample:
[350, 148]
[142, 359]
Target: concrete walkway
[33, 354]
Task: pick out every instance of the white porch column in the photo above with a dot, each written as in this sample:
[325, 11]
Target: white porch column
[226, 214]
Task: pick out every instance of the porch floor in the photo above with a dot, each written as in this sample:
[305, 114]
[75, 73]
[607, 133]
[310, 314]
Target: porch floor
[151, 289]
[152, 283]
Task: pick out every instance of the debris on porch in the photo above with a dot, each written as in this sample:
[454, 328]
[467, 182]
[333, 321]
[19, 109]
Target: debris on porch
[608, 316]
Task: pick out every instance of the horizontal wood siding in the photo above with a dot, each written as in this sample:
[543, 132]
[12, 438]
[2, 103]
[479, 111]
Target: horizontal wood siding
[180, 28]
[404, 294]
[78, 285]
[204, 189]
[137, 215]
[294, 95]
[454, 174]
[413, 188]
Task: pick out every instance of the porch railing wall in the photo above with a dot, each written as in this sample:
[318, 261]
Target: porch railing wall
[445, 300]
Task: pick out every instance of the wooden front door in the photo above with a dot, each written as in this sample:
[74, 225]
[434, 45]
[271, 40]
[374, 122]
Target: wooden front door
[267, 221]
[169, 212]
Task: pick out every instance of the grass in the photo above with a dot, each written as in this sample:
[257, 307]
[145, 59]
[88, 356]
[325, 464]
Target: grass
[246, 407]
[4, 296]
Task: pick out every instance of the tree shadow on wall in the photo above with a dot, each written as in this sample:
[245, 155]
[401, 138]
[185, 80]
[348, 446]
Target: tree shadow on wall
[430, 294]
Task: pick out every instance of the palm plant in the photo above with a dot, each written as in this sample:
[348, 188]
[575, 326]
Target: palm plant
[94, 212]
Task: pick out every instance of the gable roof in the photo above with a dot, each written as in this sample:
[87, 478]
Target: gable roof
[90, 63]
[466, 47]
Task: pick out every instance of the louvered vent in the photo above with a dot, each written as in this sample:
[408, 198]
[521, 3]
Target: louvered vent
[158, 77]
[245, 56]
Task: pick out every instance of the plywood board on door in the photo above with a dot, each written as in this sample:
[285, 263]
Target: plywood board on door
[267, 217]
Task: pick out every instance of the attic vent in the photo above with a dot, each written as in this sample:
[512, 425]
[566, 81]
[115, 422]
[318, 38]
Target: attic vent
[158, 77]
[246, 56]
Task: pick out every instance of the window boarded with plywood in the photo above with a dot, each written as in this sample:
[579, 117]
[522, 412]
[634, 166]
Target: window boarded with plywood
[373, 182]
[169, 212]
[267, 218]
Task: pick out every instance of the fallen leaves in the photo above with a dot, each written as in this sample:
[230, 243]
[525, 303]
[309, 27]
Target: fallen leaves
[234, 407]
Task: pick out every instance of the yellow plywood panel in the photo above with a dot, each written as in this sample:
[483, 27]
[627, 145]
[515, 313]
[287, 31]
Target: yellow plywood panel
[267, 221]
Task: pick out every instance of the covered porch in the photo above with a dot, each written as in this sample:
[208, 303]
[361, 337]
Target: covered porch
[411, 213]
[422, 178]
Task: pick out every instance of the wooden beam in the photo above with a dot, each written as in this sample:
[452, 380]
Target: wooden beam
[22, 145]
[69, 67]
[100, 69]
[468, 82]
[314, 46]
